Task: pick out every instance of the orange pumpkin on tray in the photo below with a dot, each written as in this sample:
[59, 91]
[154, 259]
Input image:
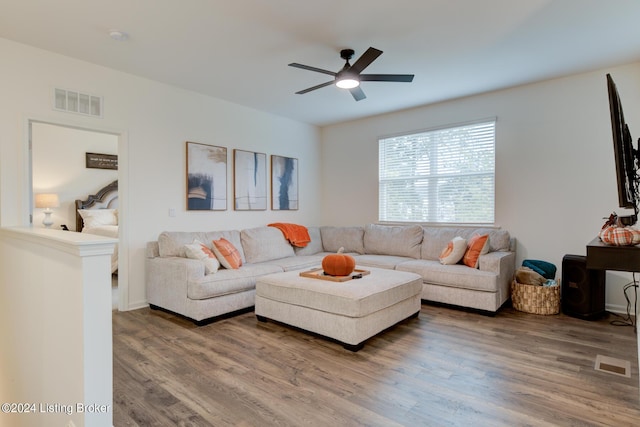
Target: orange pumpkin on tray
[338, 264]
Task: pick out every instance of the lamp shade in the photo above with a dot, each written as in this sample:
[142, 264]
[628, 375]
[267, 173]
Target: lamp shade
[47, 200]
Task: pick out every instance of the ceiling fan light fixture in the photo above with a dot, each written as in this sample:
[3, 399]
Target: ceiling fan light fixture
[347, 83]
[350, 76]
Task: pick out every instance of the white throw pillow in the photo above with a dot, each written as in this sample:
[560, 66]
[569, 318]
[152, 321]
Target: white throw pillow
[98, 217]
[200, 251]
[454, 251]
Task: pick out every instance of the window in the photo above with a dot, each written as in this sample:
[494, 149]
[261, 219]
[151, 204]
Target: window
[444, 175]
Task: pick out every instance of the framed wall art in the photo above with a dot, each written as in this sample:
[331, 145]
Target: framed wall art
[249, 181]
[101, 161]
[284, 183]
[206, 177]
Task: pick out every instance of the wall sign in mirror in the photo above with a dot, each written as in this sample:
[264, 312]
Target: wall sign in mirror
[101, 161]
[206, 177]
[249, 181]
[284, 183]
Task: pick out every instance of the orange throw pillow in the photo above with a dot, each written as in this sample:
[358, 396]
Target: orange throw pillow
[477, 245]
[227, 254]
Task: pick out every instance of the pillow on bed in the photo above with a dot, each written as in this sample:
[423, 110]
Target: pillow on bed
[198, 250]
[98, 217]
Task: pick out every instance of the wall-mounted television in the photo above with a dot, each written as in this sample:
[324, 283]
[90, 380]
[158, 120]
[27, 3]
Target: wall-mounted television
[626, 157]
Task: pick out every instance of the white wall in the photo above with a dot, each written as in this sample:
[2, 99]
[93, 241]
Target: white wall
[59, 351]
[155, 121]
[59, 166]
[555, 173]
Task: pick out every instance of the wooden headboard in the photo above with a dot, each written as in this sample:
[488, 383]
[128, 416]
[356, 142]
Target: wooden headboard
[105, 198]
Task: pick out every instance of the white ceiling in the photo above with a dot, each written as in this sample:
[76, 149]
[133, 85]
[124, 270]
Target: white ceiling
[239, 50]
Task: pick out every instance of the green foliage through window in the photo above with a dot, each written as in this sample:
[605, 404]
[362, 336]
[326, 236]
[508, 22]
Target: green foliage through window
[444, 175]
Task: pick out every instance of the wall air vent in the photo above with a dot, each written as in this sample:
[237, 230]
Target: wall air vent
[77, 102]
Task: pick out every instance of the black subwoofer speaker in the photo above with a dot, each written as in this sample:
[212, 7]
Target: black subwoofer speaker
[583, 290]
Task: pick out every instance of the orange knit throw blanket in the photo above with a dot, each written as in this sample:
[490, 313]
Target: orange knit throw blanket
[297, 235]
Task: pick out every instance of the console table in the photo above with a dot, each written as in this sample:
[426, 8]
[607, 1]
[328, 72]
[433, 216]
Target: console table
[620, 258]
[606, 257]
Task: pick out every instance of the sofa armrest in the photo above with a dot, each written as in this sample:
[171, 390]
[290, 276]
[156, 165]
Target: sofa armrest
[504, 265]
[497, 262]
[175, 269]
[167, 280]
[152, 250]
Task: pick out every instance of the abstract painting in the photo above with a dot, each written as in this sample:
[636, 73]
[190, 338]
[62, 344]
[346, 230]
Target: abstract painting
[206, 177]
[284, 183]
[249, 181]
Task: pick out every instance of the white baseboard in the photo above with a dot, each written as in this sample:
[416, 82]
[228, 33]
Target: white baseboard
[136, 306]
[618, 309]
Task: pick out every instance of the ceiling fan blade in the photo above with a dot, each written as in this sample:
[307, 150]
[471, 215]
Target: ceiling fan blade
[365, 60]
[317, 70]
[357, 93]
[386, 78]
[314, 88]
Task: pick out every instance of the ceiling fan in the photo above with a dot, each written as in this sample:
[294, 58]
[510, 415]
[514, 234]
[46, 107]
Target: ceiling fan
[349, 77]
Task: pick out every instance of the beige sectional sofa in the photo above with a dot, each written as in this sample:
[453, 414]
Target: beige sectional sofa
[180, 285]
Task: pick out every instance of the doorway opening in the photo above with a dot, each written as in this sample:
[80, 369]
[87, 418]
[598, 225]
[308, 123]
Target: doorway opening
[61, 164]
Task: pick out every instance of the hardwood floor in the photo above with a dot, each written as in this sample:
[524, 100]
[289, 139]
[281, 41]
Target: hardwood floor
[445, 368]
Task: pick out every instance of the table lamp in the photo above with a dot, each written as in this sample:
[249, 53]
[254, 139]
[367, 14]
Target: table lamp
[47, 201]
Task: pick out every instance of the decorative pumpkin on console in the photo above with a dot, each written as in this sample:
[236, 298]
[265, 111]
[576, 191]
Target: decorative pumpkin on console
[338, 264]
[615, 233]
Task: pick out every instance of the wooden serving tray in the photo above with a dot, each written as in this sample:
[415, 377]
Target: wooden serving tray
[318, 273]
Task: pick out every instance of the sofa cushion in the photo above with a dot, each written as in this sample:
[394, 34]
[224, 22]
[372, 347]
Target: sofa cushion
[380, 261]
[455, 276]
[314, 246]
[299, 262]
[437, 238]
[393, 240]
[349, 238]
[264, 244]
[171, 243]
[226, 282]
[499, 240]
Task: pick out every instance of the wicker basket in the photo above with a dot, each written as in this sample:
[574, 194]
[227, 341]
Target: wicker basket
[535, 299]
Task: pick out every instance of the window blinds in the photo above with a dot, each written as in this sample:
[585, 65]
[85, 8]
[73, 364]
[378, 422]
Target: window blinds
[445, 175]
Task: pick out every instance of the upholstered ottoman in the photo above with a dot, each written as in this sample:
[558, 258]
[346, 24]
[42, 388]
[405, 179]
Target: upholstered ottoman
[350, 312]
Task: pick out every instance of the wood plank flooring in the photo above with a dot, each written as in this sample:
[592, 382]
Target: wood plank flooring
[444, 368]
